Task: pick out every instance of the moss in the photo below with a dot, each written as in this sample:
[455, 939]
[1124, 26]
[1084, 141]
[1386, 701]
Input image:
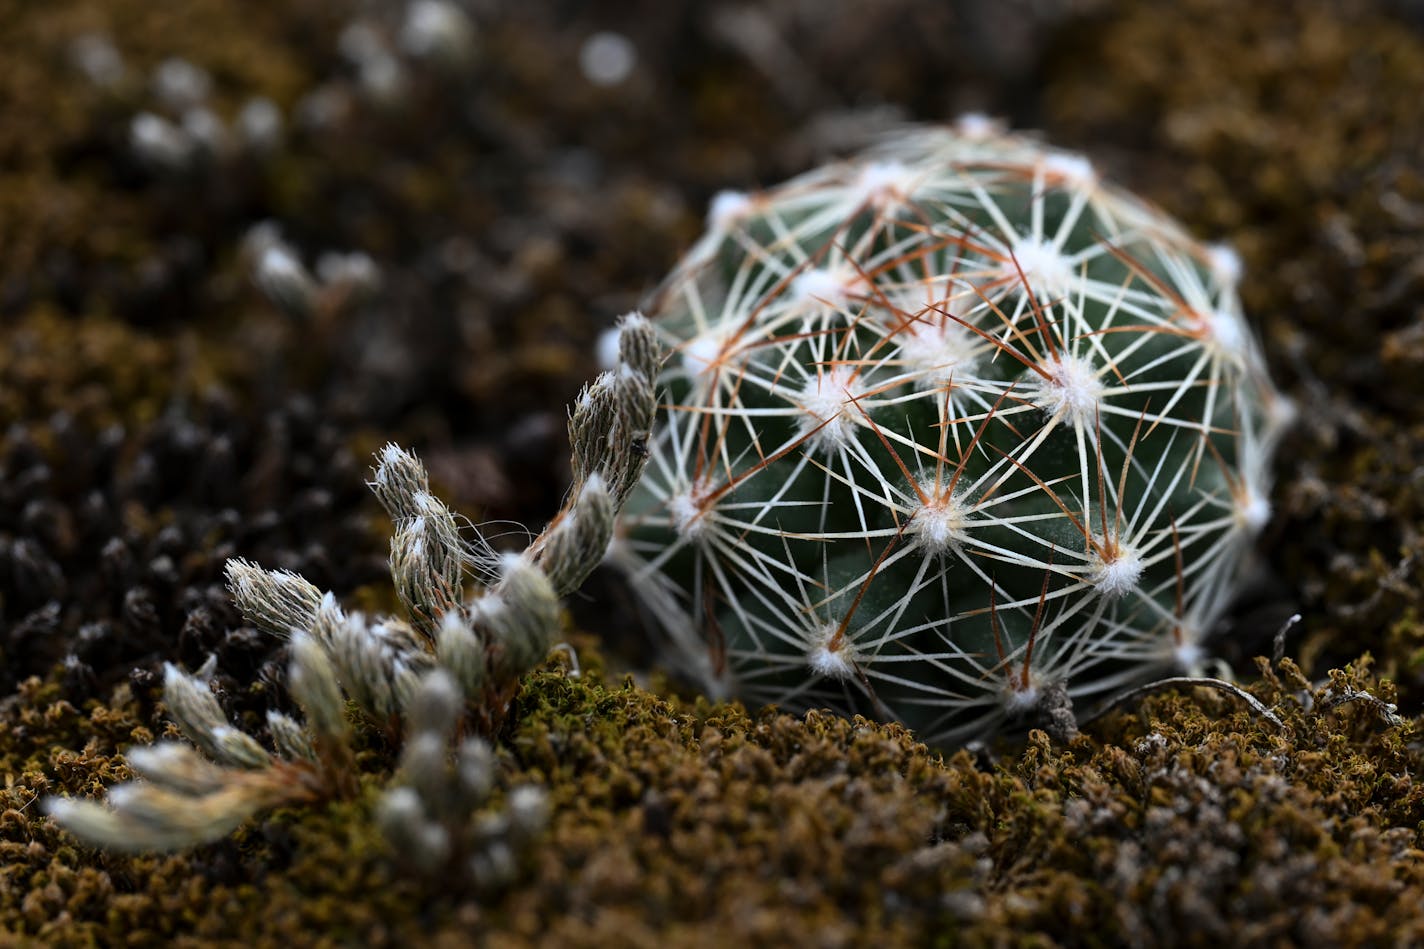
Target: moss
[99, 371]
[701, 824]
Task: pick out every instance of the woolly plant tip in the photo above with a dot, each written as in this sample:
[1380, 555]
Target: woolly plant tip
[195, 709]
[289, 737]
[176, 767]
[363, 661]
[313, 683]
[436, 706]
[400, 479]
[417, 840]
[277, 601]
[425, 766]
[461, 652]
[475, 768]
[638, 347]
[590, 424]
[493, 866]
[147, 817]
[576, 542]
[523, 615]
[160, 144]
[610, 421]
[440, 31]
[427, 564]
[636, 404]
[995, 424]
[528, 809]
[239, 749]
[284, 280]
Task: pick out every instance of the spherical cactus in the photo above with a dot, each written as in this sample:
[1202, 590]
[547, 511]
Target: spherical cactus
[950, 428]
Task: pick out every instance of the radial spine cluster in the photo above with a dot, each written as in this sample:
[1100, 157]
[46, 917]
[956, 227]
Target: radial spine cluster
[949, 427]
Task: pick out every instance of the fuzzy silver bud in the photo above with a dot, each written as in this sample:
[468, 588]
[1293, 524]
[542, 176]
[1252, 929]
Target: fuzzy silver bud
[144, 817]
[459, 649]
[638, 346]
[239, 749]
[590, 424]
[194, 708]
[177, 767]
[207, 132]
[180, 85]
[494, 866]
[95, 55]
[289, 737]
[160, 144]
[578, 539]
[284, 280]
[313, 682]
[523, 613]
[400, 478]
[401, 817]
[277, 601]
[259, 125]
[425, 763]
[436, 706]
[440, 31]
[475, 769]
[528, 809]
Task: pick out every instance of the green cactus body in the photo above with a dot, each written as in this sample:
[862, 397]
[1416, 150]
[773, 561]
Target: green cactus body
[947, 425]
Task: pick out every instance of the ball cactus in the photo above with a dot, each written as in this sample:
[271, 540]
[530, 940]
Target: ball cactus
[952, 430]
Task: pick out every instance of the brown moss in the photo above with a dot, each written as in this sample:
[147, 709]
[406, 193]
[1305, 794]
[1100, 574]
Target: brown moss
[98, 371]
[699, 824]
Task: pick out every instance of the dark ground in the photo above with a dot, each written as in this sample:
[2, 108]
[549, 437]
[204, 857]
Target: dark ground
[158, 416]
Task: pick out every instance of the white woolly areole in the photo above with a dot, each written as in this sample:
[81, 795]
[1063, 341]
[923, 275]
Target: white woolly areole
[687, 512]
[828, 657]
[1119, 576]
[1071, 169]
[883, 183]
[1189, 656]
[935, 349]
[1072, 390]
[827, 403]
[819, 285]
[1047, 271]
[728, 209]
[978, 126]
[938, 526]
[702, 352]
[1019, 698]
[1224, 263]
[1253, 511]
[1226, 333]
